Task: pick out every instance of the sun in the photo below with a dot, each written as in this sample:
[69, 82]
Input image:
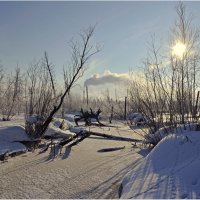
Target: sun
[179, 49]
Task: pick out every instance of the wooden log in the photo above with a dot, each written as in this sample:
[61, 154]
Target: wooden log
[74, 137]
[84, 136]
[114, 137]
[74, 140]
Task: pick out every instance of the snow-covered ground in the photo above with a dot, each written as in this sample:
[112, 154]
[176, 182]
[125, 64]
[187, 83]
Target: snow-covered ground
[81, 172]
[9, 137]
[171, 170]
[54, 130]
[11, 132]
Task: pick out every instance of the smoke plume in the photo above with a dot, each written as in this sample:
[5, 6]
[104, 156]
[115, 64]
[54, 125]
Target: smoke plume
[107, 78]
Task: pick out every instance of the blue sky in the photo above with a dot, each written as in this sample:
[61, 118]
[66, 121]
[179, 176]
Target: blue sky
[124, 28]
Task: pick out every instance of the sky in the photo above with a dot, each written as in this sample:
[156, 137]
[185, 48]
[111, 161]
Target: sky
[123, 30]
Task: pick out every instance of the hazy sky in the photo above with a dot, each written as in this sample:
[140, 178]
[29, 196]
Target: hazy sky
[27, 29]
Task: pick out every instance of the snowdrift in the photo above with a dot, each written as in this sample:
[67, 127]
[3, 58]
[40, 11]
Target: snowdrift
[9, 137]
[171, 170]
[13, 133]
[55, 131]
[11, 147]
[165, 131]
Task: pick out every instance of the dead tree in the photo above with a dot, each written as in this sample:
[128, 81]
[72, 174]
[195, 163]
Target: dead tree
[86, 116]
[81, 53]
[84, 134]
[49, 67]
[78, 137]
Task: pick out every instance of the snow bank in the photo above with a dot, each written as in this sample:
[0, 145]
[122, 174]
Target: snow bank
[54, 130]
[164, 131]
[159, 135]
[77, 129]
[171, 170]
[138, 118]
[11, 147]
[13, 133]
[186, 127]
[8, 138]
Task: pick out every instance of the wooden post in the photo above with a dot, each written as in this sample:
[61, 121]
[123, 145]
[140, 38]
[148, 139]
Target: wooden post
[111, 116]
[196, 105]
[125, 108]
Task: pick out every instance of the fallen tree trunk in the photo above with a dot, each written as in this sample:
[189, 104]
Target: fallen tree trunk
[114, 137]
[85, 134]
[67, 141]
[74, 140]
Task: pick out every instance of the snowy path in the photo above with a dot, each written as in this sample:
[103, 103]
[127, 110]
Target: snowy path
[82, 173]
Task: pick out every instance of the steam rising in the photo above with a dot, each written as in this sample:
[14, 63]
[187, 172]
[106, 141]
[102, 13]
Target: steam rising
[107, 78]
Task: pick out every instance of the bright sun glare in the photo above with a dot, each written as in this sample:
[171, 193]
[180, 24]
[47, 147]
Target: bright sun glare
[179, 49]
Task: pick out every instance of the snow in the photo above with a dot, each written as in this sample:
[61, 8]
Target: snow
[13, 133]
[9, 136]
[70, 117]
[76, 129]
[80, 172]
[164, 131]
[57, 122]
[54, 130]
[171, 170]
[32, 119]
[11, 147]
[138, 118]
[134, 115]
[97, 167]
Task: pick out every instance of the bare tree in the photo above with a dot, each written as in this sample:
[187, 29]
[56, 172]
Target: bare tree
[81, 53]
[186, 65]
[171, 88]
[39, 88]
[49, 67]
[12, 94]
